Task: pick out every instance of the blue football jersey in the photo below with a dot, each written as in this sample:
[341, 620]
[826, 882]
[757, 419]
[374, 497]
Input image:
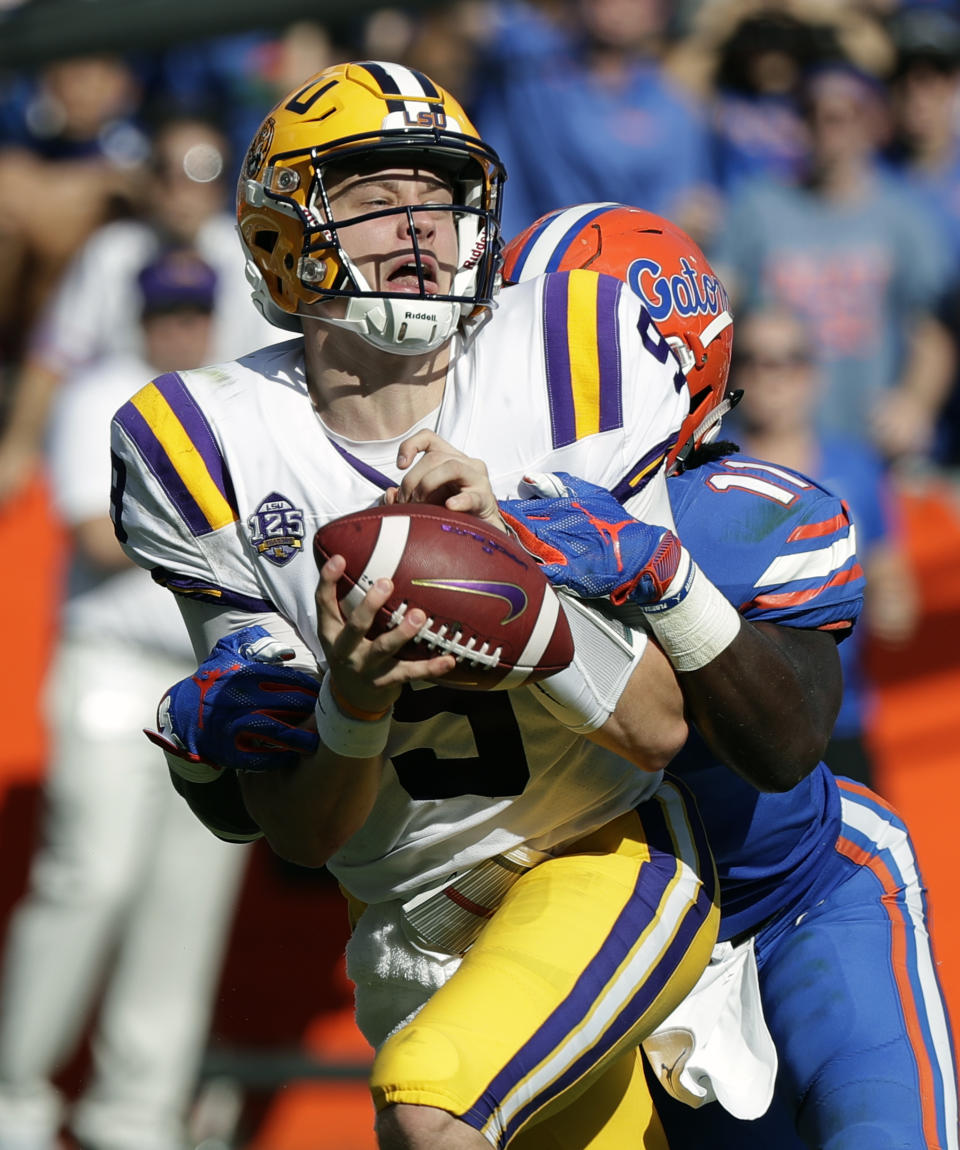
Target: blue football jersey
[782, 549]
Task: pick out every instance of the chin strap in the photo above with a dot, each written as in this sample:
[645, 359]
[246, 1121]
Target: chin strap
[398, 324]
[404, 327]
[708, 428]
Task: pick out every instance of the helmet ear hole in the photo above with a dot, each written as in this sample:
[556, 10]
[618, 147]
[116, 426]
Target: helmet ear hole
[266, 240]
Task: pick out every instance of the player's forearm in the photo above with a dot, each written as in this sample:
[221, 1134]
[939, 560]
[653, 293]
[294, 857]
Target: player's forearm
[308, 812]
[619, 690]
[652, 691]
[767, 703]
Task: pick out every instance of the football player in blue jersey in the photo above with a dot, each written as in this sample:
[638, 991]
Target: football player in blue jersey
[821, 880]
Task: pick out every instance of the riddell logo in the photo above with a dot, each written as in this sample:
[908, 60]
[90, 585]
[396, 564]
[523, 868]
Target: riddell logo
[479, 247]
[418, 315]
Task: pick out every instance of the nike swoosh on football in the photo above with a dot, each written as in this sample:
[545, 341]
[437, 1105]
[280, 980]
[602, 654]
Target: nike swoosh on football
[514, 596]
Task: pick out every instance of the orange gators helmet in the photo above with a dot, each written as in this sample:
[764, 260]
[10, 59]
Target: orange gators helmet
[670, 274]
[365, 116]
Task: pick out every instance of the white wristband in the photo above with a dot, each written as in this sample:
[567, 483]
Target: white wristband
[354, 738]
[694, 630]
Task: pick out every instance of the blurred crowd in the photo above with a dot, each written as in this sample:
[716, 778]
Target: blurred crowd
[812, 147]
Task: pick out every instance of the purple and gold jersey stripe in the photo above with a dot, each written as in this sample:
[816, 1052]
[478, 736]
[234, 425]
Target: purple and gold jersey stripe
[582, 349]
[643, 470]
[645, 946]
[209, 592]
[178, 445]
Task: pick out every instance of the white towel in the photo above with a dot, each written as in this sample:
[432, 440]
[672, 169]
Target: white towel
[393, 977]
[715, 1046]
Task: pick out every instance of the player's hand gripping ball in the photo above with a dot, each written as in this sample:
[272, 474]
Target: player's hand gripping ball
[485, 599]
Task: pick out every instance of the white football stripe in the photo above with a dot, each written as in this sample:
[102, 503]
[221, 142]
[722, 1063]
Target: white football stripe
[810, 564]
[537, 643]
[887, 837]
[540, 254]
[384, 558]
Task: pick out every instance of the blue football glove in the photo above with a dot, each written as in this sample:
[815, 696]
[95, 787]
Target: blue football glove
[240, 709]
[589, 545]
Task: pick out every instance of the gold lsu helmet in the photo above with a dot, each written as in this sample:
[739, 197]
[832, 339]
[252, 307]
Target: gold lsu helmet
[365, 116]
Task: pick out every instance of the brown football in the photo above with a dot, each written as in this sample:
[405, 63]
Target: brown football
[486, 601]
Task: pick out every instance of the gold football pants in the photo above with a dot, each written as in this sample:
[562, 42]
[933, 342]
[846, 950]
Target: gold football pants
[533, 1040]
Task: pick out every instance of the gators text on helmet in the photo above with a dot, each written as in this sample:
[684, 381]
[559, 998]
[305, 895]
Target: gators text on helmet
[670, 274]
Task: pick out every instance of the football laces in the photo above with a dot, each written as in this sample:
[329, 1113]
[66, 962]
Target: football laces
[440, 640]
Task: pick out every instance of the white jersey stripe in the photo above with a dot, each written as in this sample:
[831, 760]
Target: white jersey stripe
[809, 564]
[891, 840]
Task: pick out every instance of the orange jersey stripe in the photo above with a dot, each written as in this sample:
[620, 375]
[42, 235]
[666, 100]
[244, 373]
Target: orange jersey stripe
[792, 598]
[898, 951]
[816, 530]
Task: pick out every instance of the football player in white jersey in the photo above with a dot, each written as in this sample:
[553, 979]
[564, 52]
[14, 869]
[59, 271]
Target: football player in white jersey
[369, 208]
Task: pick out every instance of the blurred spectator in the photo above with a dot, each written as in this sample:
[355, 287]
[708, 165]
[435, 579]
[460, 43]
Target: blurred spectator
[757, 122]
[93, 312]
[580, 108]
[773, 363]
[851, 29]
[926, 103]
[235, 78]
[926, 151]
[125, 879]
[855, 256]
[444, 42]
[69, 146]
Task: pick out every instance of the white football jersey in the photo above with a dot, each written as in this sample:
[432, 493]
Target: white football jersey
[222, 476]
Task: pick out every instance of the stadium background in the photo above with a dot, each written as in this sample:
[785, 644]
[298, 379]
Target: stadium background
[285, 1065]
